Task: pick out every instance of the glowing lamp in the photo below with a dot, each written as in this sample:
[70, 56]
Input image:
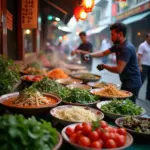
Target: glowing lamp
[80, 13]
[88, 5]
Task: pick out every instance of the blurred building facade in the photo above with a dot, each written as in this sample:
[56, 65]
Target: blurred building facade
[136, 15]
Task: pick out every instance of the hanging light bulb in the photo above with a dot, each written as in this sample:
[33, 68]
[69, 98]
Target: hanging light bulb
[83, 15]
[88, 5]
[80, 13]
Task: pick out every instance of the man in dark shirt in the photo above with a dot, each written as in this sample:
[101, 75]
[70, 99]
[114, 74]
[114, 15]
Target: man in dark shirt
[84, 48]
[127, 64]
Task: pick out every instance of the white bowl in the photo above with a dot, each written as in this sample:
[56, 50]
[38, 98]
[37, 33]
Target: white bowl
[112, 115]
[98, 114]
[129, 141]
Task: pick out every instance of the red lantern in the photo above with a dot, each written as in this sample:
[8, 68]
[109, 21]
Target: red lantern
[80, 13]
[88, 5]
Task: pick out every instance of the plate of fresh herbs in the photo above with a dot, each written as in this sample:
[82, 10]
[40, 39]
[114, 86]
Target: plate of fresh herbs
[119, 108]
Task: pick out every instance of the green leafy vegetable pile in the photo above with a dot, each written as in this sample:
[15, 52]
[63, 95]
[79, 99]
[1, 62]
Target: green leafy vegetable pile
[122, 107]
[81, 96]
[51, 86]
[18, 133]
[68, 95]
[9, 75]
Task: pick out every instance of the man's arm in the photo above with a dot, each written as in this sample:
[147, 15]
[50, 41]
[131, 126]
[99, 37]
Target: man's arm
[100, 54]
[140, 53]
[116, 69]
[139, 61]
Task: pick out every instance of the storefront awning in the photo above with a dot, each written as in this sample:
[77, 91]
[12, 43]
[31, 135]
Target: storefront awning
[135, 18]
[96, 30]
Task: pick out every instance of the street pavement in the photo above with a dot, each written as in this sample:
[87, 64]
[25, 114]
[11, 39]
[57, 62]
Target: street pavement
[114, 78]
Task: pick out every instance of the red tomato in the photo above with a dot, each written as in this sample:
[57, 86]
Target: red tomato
[103, 124]
[85, 123]
[110, 144]
[102, 142]
[73, 138]
[112, 136]
[94, 136]
[86, 129]
[27, 78]
[69, 131]
[122, 131]
[78, 127]
[96, 144]
[114, 130]
[84, 141]
[99, 132]
[105, 136]
[79, 134]
[120, 140]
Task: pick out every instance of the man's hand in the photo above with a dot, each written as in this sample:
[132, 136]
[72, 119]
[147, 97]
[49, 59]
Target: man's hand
[75, 52]
[100, 67]
[87, 57]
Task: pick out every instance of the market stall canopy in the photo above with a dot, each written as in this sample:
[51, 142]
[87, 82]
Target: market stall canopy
[62, 9]
[136, 18]
[96, 30]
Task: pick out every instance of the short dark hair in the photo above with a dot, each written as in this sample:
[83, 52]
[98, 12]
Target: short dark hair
[82, 34]
[119, 27]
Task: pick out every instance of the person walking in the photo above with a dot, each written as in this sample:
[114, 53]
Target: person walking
[144, 63]
[127, 63]
[84, 48]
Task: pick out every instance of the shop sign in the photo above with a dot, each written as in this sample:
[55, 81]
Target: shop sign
[134, 11]
[9, 20]
[29, 14]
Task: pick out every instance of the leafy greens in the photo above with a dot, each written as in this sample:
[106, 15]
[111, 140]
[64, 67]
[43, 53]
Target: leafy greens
[122, 107]
[18, 133]
[9, 75]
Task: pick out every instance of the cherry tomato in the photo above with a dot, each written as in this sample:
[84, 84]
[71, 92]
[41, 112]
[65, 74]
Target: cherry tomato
[99, 132]
[94, 136]
[105, 136]
[69, 131]
[78, 127]
[103, 124]
[122, 131]
[73, 138]
[112, 136]
[96, 144]
[110, 144]
[79, 134]
[85, 123]
[84, 141]
[86, 129]
[102, 142]
[120, 140]
[27, 78]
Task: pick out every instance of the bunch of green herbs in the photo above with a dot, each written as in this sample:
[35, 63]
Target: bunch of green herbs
[9, 75]
[122, 107]
[18, 133]
[50, 86]
[81, 96]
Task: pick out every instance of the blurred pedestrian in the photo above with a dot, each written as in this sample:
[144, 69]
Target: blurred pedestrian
[144, 63]
[106, 44]
[127, 63]
[84, 48]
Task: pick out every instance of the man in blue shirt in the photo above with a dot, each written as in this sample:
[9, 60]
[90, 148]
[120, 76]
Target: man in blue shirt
[84, 48]
[127, 64]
